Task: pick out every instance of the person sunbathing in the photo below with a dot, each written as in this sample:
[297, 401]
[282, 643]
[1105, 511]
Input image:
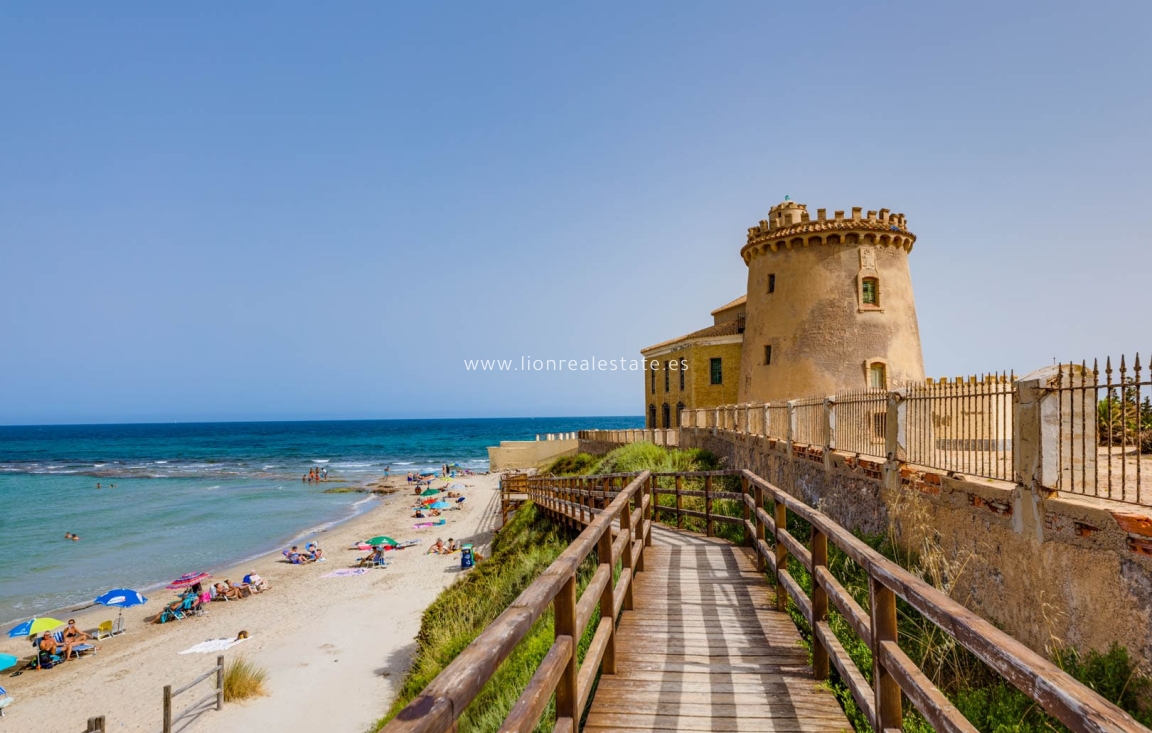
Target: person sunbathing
[255, 583]
[313, 550]
[434, 513]
[376, 558]
[452, 545]
[418, 515]
[298, 558]
[47, 647]
[227, 592]
[72, 637]
[438, 548]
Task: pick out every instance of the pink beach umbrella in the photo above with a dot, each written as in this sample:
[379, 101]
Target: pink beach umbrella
[188, 579]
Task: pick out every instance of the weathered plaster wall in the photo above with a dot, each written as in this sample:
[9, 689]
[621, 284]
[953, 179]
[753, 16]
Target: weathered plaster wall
[529, 453]
[1081, 572]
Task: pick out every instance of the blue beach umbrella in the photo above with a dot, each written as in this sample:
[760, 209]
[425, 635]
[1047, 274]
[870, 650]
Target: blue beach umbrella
[122, 597]
[7, 660]
[439, 505]
[34, 626]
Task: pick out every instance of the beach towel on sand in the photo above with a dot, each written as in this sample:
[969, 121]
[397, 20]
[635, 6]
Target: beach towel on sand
[213, 645]
[344, 572]
[426, 525]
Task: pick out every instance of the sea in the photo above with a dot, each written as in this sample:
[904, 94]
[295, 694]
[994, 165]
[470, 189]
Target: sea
[151, 502]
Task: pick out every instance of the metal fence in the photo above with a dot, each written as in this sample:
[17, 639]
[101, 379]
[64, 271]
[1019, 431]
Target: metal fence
[859, 422]
[964, 426]
[809, 416]
[1105, 434]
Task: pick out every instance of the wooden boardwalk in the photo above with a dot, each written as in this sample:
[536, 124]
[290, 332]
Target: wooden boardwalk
[705, 649]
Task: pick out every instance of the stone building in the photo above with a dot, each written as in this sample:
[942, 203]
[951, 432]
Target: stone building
[700, 369]
[829, 308]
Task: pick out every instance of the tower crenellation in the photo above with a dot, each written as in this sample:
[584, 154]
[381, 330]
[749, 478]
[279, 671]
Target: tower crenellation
[789, 220]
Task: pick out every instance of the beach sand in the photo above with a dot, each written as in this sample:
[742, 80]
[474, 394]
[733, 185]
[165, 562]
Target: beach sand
[335, 649]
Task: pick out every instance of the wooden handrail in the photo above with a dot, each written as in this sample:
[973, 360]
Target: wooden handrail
[446, 697]
[1056, 691]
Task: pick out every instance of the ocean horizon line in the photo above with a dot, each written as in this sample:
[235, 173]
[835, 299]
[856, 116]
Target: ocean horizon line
[312, 421]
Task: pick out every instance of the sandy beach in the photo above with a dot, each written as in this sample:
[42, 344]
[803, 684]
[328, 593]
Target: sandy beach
[335, 648]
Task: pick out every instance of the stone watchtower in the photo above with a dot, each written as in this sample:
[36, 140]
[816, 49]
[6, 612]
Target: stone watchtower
[830, 305]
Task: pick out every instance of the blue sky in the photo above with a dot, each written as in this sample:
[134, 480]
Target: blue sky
[293, 211]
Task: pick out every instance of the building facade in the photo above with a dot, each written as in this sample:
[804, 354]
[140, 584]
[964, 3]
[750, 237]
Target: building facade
[701, 369]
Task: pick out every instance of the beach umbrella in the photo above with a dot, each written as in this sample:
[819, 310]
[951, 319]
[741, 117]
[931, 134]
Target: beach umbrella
[430, 492]
[457, 486]
[439, 505]
[428, 473]
[382, 540]
[7, 660]
[187, 579]
[34, 626]
[122, 598]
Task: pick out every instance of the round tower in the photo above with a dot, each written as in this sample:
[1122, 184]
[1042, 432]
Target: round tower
[830, 305]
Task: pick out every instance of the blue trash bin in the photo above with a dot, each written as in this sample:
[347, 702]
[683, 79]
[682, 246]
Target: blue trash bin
[466, 559]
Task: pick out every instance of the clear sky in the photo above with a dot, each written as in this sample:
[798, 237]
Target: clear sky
[294, 210]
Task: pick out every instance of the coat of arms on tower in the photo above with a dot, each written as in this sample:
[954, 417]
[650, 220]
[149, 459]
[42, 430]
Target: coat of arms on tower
[867, 258]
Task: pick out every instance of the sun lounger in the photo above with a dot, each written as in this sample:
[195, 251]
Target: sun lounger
[78, 649]
[104, 630]
[5, 700]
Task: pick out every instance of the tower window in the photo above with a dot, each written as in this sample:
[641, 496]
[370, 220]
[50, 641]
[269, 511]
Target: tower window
[878, 376]
[772, 283]
[768, 353]
[666, 413]
[871, 292]
[667, 376]
[682, 365]
[717, 371]
[653, 381]
[651, 416]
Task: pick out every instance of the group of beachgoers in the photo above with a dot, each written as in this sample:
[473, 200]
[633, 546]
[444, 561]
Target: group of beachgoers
[316, 474]
[192, 601]
[48, 648]
[311, 553]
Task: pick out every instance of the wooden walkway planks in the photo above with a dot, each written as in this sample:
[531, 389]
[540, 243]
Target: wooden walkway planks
[705, 650]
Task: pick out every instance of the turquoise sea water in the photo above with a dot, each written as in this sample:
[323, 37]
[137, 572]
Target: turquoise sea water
[193, 497]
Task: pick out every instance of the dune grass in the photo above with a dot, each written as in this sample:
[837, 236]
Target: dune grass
[243, 679]
[635, 457]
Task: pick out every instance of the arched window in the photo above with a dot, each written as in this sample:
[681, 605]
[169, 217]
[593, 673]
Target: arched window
[870, 292]
[667, 416]
[877, 376]
[652, 416]
[667, 376]
[679, 409]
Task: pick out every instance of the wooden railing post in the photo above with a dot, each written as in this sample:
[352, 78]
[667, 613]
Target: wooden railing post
[708, 504]
[608, 601]
[679, 502]
[819, 603]
[883, 611]
[761, 563]
[166, 724]
[781, 516]
[220, 682]
[748, 539]
[564, 612]
[651, 514]
[626, 555]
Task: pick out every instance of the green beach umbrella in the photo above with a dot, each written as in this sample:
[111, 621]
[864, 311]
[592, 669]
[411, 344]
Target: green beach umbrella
[382, 540]
[430, 492]
[34, 626]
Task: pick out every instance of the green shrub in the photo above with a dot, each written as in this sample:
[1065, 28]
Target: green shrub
[651, 457]
[576, 465]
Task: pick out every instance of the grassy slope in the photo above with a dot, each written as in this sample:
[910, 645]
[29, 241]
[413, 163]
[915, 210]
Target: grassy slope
[521, 552]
